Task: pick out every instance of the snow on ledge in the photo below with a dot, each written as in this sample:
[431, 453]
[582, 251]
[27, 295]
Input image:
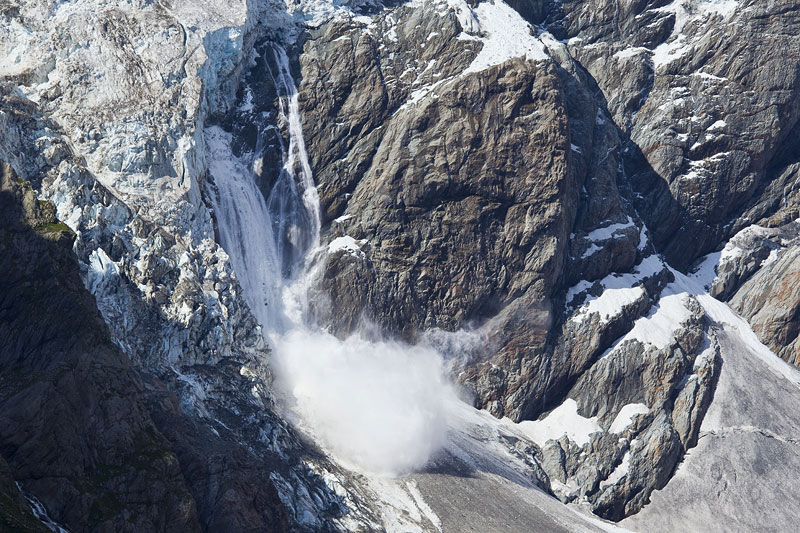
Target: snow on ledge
[619, 472]
[563, 420]
[347, 244]
[618, 291]
[603, 234]
[659, 327]
[625, 416]
[508, 36]
[502, 30]
[610, 303]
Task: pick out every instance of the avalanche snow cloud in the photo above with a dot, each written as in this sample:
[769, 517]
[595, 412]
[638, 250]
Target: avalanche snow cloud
[379, 407]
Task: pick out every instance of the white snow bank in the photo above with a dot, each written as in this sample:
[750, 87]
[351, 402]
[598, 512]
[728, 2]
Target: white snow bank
[593, 249]
[603, 234]
[508, 35]
[619, 472]
[563, 420]
[343, 218]
[618, 291]
[718, 125]
[347, 244]
[658, 328]
[706, 272]
[625, 416]
[631, 52]
[502, 30]
[402, 507]
[610, 303]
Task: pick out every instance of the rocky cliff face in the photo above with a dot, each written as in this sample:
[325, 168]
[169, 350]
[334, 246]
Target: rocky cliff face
[709, 105]
[100, 444]
[535, 177]
[493, 194]
[712, 109]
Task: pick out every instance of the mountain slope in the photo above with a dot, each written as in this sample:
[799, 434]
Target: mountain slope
[441, 241]
[98, 443]
[747, 448]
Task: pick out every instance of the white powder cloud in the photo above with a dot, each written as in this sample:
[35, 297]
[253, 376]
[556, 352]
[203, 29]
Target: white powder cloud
[379, 407]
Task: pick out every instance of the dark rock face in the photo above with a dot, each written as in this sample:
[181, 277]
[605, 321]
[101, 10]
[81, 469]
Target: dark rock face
[419, 181]
[460, 189]
[99, 444]
[770, 301]
[710, 106]
[712, 113]
[498, 199]
[61, 373]
[443, 177]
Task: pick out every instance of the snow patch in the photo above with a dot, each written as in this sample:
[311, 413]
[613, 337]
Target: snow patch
[631, 52]
[619, 472]
[687, 11]
[610, 303]
[343, 218]
[605, 233]
[619, 290]
[726, 8]
[771, 258]
[705, 357]
[718, 125]
[707, 76]
[346, 244]
[508, 36]
[625, 416]
[563, 420]
[706, 272]
[593, 249]
[658, 328]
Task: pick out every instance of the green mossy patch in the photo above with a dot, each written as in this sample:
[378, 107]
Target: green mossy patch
[57, 227]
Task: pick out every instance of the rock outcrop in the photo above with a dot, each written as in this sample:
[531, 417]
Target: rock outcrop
[711, 110]
[757, 273]
[100, 444]
[457, 194]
